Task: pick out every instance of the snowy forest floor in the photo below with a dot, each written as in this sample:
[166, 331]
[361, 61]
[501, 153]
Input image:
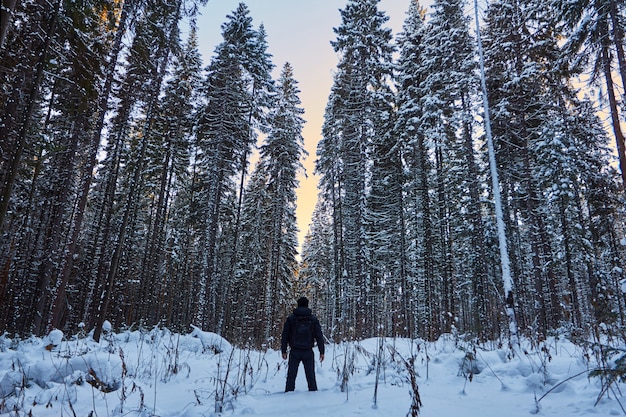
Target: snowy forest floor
[160, 373]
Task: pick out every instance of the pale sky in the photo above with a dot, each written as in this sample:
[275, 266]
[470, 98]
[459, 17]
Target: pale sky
[298, 32]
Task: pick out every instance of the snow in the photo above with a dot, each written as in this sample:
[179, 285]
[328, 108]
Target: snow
[54, 338]
[211, 341]
[106, 326]
[160, 373]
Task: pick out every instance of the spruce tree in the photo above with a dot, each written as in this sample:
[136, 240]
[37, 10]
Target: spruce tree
[596, 39]
[316, 272]
[418, 167]
[169, 156]
[448, 94]
[236, 91]
[539, 124]
[156, 36]
[268, 254]
[47, 113]
[355, 116]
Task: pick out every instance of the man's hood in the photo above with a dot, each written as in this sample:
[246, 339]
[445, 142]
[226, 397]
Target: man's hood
[302, 311]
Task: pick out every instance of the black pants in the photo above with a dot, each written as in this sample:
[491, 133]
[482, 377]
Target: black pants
[307, 357]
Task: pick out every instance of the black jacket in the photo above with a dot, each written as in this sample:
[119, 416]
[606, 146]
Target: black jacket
[290, 322]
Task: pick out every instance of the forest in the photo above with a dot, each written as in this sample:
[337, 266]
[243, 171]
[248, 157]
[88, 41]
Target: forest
[472, 181]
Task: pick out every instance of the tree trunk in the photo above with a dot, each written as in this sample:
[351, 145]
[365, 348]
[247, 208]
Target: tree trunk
[441, 319]
[97, 255]
[150, 288]
[133, 189]
[162, 60]
[6, 15]
[507, 279]
[618, 39]
[427, 270]
[28, 114]
[211, 244]
[221, 313]
[479, 269]
[87, 174]
[615, 122]
[55, 232]
[407, 294]
[340, 314]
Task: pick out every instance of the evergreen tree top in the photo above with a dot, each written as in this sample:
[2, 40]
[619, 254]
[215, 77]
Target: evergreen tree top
[362, 32]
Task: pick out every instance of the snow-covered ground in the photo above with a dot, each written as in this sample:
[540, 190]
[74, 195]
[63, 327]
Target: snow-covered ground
[159, 373]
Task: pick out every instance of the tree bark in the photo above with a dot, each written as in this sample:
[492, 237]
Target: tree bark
[28, 114]
[162, 60]
[479, 269]
[618, 40]
[615, 122]
[87, 174]
[6, 16]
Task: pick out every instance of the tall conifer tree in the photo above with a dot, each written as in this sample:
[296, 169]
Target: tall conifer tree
[354, 117]
[237, 89]
[418, 166]
[268, 251]
[539, 124]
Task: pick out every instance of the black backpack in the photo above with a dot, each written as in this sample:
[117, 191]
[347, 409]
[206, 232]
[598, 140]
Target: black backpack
[302, 333]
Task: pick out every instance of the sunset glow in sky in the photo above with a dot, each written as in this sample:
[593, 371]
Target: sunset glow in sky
[298, 32]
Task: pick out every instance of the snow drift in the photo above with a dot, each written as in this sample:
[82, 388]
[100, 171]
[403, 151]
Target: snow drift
[159, 373]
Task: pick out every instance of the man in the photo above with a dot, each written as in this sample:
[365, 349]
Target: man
[299, 331]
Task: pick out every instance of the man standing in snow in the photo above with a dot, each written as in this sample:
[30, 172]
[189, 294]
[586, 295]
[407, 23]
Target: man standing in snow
[299, 331]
